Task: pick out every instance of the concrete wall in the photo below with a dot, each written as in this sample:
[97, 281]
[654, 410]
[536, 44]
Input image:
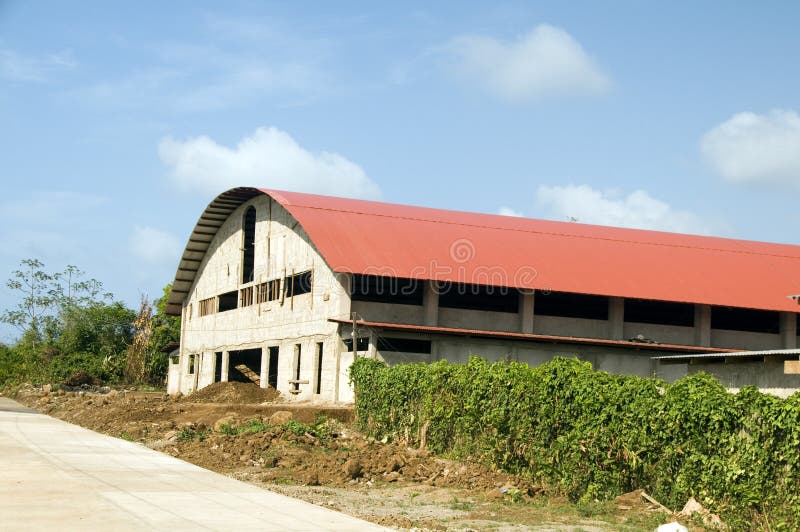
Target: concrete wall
[768, 375]
[745, 340]
[576, 327]
[663, 334]
[389, 313]
[281, 248]
[478, 319]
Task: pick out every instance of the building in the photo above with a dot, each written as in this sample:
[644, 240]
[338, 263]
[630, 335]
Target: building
[285, 289]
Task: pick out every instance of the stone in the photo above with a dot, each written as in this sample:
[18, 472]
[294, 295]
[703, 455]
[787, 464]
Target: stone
[280, 417]
[394, 476]
[394, 463]
[352, 469]
[229, 419]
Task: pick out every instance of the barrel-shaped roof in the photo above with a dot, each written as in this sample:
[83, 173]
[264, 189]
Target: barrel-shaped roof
[369, 237]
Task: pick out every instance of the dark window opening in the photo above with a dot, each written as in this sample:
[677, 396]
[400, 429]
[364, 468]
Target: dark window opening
[299, 283]
[746, 320]
[227, 301]
[217, 366]
[246, 296]
[297, 354]
[387, 290]
[798, 324]
[249, 244]
[244, 366]
[318, 380]
[569, 305]
[478, 297]
[191, 365]
[659, 312]
[269, 291]
[272, 372]
[404, 345]
[362, 344]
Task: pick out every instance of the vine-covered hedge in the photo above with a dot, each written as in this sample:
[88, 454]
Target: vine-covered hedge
[593, 435]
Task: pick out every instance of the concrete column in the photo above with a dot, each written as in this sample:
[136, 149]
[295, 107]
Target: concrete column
[263, 373]
[702, 325]
[430, 303]
[372, 350]
[526, 302]
[198, 367]
[789, 330]
[616, 318]
[223, 373]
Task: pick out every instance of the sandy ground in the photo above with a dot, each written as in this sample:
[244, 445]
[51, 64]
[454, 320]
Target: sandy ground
[313, 453]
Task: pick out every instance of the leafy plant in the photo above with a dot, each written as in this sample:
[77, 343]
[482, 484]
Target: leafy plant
[592, 436]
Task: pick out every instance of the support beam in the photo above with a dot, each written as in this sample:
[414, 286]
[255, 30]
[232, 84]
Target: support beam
[526, 311]
[702, 325]
[263, 377]
[789, 330]
[616, 318]
[223, 373]
[430, 303]
[372, 350]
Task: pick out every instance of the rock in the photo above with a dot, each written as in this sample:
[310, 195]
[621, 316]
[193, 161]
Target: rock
[394, 476]
[394, 463]
[280, 417]
[47, 388]
[229, 419]
[693, 507]
[353, 469]
[672, 527]
[311, 479]
[171, 435]
[160, 409]
[44, 400]
[495, 493]
[112, 394]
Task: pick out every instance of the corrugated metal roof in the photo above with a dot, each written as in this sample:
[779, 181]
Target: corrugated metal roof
[421, 243]
[735, 354]
[404, 327]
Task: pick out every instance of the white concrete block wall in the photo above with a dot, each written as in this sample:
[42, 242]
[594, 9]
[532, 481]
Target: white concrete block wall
[302, 319]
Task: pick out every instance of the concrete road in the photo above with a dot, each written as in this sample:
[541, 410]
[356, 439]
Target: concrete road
[61, 476]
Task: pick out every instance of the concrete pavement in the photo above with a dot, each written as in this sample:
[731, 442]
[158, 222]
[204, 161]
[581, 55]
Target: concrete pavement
[58, 475]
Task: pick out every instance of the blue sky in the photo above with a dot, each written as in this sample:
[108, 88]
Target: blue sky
[122, 121]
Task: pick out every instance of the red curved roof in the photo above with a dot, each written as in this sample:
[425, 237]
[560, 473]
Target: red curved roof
[415, 242]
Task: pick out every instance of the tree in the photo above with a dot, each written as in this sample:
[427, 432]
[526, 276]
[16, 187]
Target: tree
[39, 295]
[165, 334]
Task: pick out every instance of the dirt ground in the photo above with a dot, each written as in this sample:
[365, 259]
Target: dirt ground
[313, 453]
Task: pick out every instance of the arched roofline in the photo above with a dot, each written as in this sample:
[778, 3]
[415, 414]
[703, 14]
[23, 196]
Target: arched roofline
[206, 228]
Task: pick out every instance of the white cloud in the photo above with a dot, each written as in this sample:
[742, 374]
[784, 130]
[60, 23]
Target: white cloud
[15, 66]
[753, 148]
[508, 211]
[638, 209]
[546, 60]
[268, 158]
[155, 246]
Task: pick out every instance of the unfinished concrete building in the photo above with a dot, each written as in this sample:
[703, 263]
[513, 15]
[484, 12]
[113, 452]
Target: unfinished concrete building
[285, 289]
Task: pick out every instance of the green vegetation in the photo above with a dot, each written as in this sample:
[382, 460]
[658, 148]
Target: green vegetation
[591, 436]
[73, 332]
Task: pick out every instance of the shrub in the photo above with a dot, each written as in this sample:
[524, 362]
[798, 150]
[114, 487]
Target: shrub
[591, 435]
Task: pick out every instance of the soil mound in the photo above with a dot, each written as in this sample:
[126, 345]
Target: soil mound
[233, 392]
